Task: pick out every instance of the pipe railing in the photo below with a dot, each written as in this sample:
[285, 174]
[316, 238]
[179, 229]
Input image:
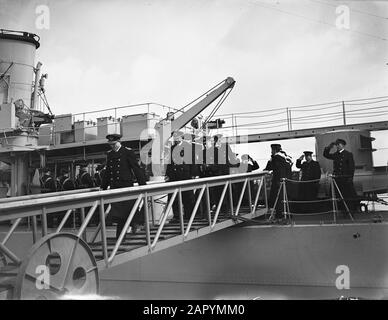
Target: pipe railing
[33, 207]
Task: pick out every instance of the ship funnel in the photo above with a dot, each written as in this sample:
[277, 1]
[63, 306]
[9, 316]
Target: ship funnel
[17, 59]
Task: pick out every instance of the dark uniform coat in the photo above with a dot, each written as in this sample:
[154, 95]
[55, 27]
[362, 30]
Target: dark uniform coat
[48, 184]
[280, 169]
[84, 180]
[99, 177]
[310, 171]
[121, 169]
[343, 170]
[220, 159]
[66, 183]
[178, 170]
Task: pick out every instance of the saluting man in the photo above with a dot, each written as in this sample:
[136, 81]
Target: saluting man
[311, 170]
[121, 164]
[280, 169]
[343, 170]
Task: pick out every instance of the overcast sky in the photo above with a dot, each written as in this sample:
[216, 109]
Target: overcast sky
[100, 54]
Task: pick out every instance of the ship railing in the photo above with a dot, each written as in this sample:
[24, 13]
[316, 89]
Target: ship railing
[336, 202]
[250, 187]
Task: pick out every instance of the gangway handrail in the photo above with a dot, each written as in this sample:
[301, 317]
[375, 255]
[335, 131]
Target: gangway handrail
[8, 210]
[109, 251]
[43, 206]
[46, 195]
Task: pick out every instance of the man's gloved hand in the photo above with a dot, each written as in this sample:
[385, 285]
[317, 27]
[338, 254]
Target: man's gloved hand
[301, 157]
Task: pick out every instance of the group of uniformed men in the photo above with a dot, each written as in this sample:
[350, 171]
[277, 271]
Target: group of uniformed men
[192, 157]
[343, 171]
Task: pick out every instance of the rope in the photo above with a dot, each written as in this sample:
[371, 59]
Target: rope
[296, 181]
[311, 214]
[221, 101]
[313, 201]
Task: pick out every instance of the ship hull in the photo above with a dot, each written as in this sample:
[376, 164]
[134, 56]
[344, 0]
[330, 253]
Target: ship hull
[267, 262]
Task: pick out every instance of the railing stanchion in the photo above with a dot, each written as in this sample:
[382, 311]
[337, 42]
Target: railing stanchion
[64, 219]
[231, 198]
[265, 191]
[164, 219]
[334, 203]
[257, 197]
[11, 230]
[82, 230]
[103, 231]
[180, 203]
[82, 220]
[44, 222]
[343, 199]
[153, 210]
[195, 209]
[34, 229]
[283, 184]
[241, 197]
[249, 195]
[147, 220]
[220, 204]
[125, 228]
[208, 208]
[98, 228]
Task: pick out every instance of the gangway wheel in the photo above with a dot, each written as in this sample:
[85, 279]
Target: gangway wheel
[58, 266]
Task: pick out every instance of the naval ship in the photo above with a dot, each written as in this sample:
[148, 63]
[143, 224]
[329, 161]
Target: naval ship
[233, 253]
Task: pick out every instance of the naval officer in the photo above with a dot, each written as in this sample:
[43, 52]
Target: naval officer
[309, 186]
[311, 170]
[180, 168]
[121, 167]
[280, 168]
[343, 171]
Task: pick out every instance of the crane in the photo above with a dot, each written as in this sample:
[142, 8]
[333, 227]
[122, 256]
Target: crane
[165, 128]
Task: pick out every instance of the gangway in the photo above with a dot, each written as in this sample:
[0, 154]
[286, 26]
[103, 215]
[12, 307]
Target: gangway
[60, 262]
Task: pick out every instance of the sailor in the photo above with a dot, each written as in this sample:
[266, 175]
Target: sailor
[343, 171]
[98, 175]
[121, 165]
[280, 167]
[48, 182]
[310, 171]
[65, 181]
[180, 168]
[84, 179]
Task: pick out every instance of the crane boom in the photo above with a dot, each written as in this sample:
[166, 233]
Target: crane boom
[164, 129]
[197, 108]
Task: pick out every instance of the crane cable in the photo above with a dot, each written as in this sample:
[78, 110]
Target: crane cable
[215, 109]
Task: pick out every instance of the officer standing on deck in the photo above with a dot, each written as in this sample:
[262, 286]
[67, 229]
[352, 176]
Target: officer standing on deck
[120, 166]
[311, 171]
[180, 168]
[343, 171]
[280, 169]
